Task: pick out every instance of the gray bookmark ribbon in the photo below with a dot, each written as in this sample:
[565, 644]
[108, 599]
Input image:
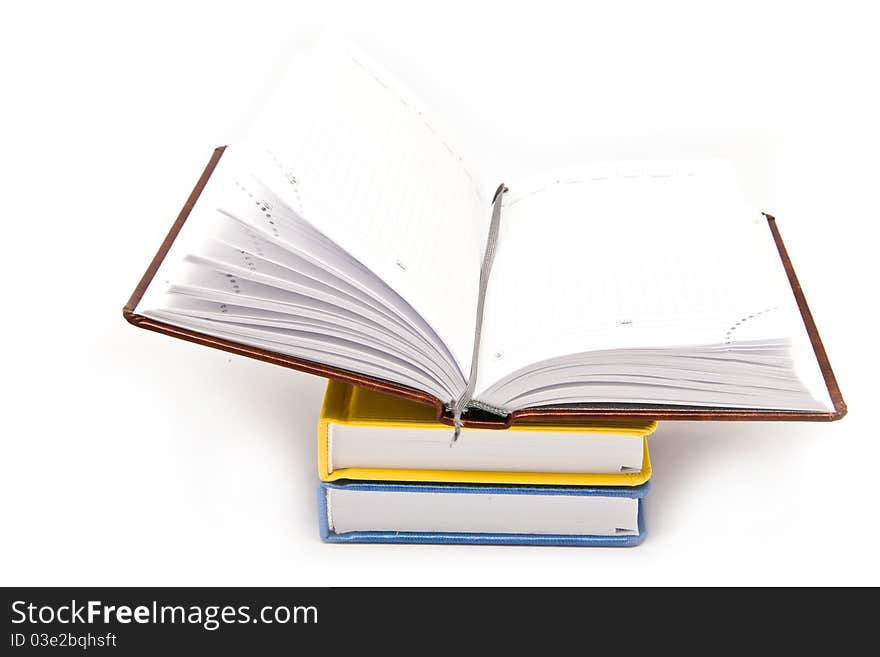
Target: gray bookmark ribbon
[489, 255]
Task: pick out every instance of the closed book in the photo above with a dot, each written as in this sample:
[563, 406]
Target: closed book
[371, 512]
[368, 435]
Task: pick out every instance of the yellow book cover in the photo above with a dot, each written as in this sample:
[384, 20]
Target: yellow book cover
[366, 435]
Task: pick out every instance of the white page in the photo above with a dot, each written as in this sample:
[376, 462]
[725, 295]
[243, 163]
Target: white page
[320, 348]
[369, 446]
[208, 284]
[254, 254]
[358, 510]
[372, 173]
[266, 215]
[362, 332]
[205, 221]
[626, 256]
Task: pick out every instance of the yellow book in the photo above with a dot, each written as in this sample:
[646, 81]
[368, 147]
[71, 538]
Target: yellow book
[366, 435]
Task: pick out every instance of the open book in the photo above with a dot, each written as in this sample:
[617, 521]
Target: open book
[347, 237]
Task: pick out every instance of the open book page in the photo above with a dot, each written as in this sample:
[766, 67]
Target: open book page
[633, 256]
[269, 282]
[365, 165]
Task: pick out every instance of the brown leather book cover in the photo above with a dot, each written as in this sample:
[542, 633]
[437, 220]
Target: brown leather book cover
[561, 414]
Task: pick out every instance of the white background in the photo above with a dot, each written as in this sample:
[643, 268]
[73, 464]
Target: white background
[132, 458]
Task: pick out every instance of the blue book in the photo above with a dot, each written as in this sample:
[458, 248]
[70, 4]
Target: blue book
[371, 512]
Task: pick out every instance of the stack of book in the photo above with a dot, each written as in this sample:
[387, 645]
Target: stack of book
[391, 473]
[545, 322]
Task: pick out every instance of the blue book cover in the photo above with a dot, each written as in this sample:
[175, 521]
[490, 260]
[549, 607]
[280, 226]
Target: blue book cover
[515, 515]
